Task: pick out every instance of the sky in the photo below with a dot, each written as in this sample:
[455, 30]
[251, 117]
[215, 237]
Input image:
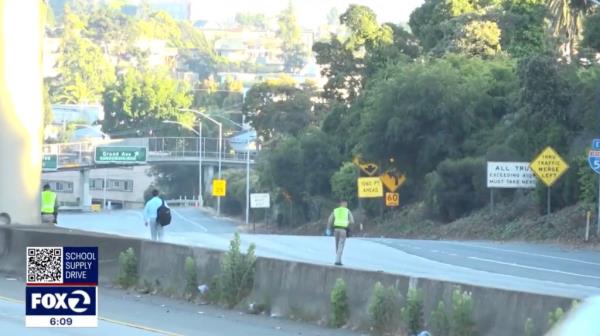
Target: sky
[310, 13]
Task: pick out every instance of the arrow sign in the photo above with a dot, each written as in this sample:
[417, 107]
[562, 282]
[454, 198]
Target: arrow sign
[392, 180]
[369, 168]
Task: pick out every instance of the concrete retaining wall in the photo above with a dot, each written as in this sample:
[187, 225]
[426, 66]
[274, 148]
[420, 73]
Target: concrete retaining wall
[290, 288]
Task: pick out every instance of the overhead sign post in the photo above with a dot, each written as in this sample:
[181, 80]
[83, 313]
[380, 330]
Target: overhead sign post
[548, 166]
[120, 154]
[369, 187]
[50, 162]
[392, 199]
[219, 188]
[594, 161]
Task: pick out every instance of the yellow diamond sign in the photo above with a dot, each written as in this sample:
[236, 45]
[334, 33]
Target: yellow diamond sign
[548, 166]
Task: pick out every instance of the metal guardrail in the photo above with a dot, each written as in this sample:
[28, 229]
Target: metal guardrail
[165, 149]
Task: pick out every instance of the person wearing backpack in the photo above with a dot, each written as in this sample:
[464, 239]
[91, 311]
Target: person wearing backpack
[156, 214]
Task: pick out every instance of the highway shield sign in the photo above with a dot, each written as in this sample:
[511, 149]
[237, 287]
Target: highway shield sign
[594, 160]
[369, 187]
[548, 166]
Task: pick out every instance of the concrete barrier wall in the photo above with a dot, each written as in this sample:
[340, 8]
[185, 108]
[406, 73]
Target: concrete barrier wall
[289, 288]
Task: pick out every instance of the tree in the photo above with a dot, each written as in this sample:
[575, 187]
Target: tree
[346, 62]
[545, 96]
[139, 101]
[523, 27]
[567, 21]
[422, 113]
[252, 20]
[277, 107]
[290, 33]
[48, 116]
[333, 16]
[474, 38]
[84, 69]
[591, 36]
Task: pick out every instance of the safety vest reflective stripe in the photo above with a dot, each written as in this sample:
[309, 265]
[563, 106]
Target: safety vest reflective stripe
[341, 217]
[48, 201]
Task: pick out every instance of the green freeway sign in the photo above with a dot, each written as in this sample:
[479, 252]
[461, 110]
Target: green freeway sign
[50, 162]
[121, 154]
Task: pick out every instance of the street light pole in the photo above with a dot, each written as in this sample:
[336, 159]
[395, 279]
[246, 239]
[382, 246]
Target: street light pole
[200, 191]
[220, 154]
[247, 179]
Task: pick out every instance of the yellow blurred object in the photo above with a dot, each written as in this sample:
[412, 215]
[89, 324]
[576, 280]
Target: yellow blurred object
[96, 208]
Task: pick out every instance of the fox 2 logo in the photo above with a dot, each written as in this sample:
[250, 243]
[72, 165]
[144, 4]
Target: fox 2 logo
[60, 300]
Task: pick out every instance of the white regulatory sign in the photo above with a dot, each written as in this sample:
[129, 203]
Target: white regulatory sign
[510, 175]
[260, 201]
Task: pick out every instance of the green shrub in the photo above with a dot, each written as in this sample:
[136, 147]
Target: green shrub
[554, 317]
[462, 314]
[128, 275]
[191, 277]
[439, 325]
[383, 309]
[343, 183]
[528, 328]
[412, 314]
[236, 276]
[456, 188]
[213, 295]
[340, 310]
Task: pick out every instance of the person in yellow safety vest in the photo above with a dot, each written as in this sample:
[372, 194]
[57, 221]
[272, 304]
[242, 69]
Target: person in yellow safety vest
[49, 204]
[340, 220]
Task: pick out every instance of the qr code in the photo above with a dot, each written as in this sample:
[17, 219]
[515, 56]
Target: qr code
[44, 265]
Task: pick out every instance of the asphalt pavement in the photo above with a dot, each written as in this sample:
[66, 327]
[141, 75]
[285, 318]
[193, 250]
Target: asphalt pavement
[126, 313]
[536, 268]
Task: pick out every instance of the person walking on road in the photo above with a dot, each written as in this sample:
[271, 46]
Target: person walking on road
[340, 220]
[151, 214]
[49, 205]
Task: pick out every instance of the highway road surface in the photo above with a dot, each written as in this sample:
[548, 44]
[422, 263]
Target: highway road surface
[535, 268]
[130, 314]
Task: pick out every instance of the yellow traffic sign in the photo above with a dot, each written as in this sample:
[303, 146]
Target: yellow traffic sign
[392, 180]
[548, 166]
[219, 188]
[369, 187]
[392, 199]
[367, 167]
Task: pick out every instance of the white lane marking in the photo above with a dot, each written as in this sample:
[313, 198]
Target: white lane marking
[526, 253]
[202, 227]
[535, 268]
